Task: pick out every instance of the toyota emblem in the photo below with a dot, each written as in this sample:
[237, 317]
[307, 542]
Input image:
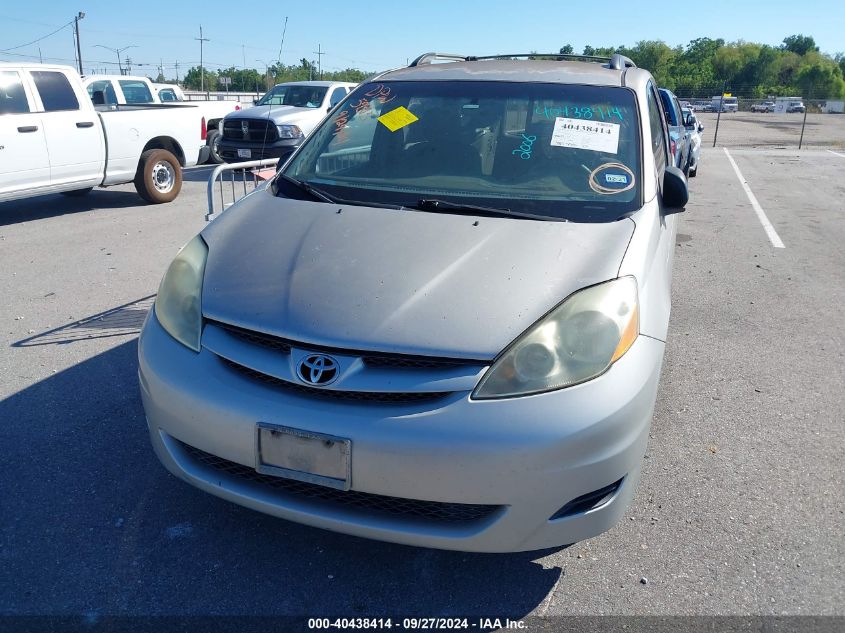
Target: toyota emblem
[317, 369]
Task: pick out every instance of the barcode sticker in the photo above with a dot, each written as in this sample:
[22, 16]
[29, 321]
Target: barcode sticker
[597, 136]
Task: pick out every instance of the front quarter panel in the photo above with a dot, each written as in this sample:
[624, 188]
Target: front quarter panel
[649, 260]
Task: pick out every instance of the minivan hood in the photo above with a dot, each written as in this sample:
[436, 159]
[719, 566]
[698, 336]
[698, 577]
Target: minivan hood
[408, 282]
[276, 113]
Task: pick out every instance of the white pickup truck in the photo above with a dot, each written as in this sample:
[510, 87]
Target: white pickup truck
[53, 140]
[127, 89]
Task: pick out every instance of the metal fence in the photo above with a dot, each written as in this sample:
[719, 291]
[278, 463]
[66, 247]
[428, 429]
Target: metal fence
[229, 183]
[820, 123]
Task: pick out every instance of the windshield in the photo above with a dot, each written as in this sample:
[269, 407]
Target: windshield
[553, 150]
[297, 96]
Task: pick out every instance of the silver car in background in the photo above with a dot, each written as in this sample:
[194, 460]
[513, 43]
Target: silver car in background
[443, 323]
[694, 128]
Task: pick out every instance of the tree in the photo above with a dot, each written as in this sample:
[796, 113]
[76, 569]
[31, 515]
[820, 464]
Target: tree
[655, 56]
[799, 44]
[567, 49]
[193, 81]
[820, 78]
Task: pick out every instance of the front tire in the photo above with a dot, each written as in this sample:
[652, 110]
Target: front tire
[159, 176]
[212, 140]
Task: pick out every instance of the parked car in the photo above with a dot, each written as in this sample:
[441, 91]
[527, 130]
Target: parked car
[126, 89]
[725, 104]
[279, 121]
[679, 137]
[169, 92]
[694, 129]
[55, 141]
[795, 106]
[766, 106]
[443, 322]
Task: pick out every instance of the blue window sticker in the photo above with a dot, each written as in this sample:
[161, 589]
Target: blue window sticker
[611, 178]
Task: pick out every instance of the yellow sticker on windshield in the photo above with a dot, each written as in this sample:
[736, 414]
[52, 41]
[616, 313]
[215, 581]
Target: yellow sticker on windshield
[397, 119]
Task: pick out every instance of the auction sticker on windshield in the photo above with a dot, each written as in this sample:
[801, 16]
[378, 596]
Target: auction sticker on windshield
[398, 118]
[591, 135]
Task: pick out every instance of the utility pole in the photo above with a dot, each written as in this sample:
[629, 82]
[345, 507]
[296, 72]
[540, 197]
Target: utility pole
[128, 65]
[177, 71]
[319, 53]
[202, 70]
[76, 20]
[243, 54]
[40, 59]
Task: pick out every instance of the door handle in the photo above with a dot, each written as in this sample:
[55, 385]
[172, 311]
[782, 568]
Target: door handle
[28, 128]
[85, 124]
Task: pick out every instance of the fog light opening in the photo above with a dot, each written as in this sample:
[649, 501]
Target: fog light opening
[590, 501]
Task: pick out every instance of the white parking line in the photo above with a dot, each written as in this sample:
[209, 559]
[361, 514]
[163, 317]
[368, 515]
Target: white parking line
[761, 215]
[836, 153]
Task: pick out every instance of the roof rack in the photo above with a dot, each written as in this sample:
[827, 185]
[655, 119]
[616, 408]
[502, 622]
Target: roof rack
[615, 62]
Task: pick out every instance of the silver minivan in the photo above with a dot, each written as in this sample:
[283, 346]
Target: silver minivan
[443, 323]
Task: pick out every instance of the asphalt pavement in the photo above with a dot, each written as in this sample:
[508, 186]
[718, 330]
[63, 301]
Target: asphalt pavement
[739, 509]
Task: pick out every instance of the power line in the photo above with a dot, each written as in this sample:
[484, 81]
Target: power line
[14, 48]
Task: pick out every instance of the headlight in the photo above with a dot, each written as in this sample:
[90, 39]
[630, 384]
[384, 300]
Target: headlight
[289, 131]
[178, 304]
[575, 342]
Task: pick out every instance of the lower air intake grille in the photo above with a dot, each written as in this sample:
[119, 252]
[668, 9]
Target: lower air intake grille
[388, 397]
[433, 511]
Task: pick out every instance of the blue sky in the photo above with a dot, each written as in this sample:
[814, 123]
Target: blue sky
[383, 35]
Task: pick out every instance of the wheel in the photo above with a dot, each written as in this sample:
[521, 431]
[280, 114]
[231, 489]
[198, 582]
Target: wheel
[159, 176]
[693, 172]
[212, 140]
[77, 193]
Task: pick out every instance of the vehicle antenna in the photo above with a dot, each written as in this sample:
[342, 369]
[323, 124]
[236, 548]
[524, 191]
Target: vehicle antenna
[284, 30]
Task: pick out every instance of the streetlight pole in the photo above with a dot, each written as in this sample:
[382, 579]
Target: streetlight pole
[76, 20]
[116, 51]
[202, 70]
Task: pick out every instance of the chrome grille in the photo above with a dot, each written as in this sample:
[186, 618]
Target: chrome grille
[433, 511]
[258, 130]
[392, 361]
[386, 397]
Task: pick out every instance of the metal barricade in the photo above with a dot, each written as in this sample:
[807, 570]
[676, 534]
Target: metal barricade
[218, 201]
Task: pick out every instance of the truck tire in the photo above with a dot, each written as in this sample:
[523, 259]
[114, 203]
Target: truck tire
[77, 193]
[211, 140]
[159, 176]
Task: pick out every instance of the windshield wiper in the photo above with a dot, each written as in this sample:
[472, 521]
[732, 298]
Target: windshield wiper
[310, 189]
[434, 204]
[322, 196]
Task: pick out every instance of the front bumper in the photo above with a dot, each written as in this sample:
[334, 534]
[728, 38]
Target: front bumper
[528, 456]
[228, 149]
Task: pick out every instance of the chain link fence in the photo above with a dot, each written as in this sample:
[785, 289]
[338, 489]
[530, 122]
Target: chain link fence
[784, 122]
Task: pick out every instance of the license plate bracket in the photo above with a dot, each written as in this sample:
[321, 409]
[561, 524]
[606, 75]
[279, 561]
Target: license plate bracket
[307, 456]
[244, 153]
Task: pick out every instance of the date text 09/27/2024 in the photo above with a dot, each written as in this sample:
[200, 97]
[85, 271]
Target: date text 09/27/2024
[416, 624]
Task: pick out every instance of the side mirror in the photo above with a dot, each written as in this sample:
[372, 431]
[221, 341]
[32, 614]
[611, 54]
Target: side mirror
[675, 192]
[700, 127]
[255, 102]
